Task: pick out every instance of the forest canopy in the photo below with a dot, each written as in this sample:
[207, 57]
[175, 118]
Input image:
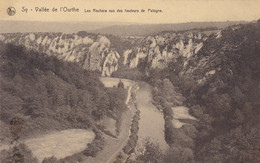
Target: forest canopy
[51, 94]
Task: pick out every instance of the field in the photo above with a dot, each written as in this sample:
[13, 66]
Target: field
[180, 112]
[60, 144]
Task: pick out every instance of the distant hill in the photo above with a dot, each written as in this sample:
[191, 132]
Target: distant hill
[148, 29]
[65, 27]
[115, 28]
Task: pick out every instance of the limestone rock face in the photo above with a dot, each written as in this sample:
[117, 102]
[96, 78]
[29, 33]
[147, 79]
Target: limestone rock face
[98, 53]
[92, 52]
[158, 50]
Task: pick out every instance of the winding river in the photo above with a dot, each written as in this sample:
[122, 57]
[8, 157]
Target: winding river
[151, 123]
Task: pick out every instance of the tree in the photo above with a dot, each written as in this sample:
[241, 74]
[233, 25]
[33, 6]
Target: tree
[179, 154]
[16, 126]
[52, 159]
[120, 84]
[152, 152]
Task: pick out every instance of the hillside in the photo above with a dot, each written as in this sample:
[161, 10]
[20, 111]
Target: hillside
[149, 29]
[108, 53]
[221, 87]
[8, 26]
[114, 28]
[157, 51]
[40, 94]
[224, 85]
[90, 51]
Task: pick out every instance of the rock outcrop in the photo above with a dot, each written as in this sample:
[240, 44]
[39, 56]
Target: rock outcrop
[159, 50]
[91, 51]
[96, 52]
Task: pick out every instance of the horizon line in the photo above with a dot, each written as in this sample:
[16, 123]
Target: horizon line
[129, 23]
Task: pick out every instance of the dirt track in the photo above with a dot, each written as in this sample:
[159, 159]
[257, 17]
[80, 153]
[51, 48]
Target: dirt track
[114, 145]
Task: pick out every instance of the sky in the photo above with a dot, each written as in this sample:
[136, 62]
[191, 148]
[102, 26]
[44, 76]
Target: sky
[173, 11]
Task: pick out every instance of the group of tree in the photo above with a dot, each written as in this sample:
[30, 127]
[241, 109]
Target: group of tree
[226, 102]
[50, 94]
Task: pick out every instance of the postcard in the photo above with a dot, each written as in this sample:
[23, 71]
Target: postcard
[136, 81]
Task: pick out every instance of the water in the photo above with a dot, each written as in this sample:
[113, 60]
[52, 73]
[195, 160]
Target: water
[151, 123]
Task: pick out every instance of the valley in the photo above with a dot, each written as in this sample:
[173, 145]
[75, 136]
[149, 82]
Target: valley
[172, 96]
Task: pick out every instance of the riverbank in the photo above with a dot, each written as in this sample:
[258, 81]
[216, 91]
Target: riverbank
[133, 137]
[180, 131]
[146, 119]
[148, 123]
[113, 146]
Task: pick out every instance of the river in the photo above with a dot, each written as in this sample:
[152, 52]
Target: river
[151, 123]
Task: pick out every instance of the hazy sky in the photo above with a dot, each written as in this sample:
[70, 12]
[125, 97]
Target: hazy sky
[174, 11]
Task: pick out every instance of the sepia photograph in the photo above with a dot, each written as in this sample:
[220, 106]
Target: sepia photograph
[129, 81]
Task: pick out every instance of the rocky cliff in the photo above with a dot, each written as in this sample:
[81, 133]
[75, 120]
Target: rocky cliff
[95, 52]
[91, 51]
[156, 52]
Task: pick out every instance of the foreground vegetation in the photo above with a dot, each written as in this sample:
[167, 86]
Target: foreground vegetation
[46, 94]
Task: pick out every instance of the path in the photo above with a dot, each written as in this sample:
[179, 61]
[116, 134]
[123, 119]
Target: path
[114, 145]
